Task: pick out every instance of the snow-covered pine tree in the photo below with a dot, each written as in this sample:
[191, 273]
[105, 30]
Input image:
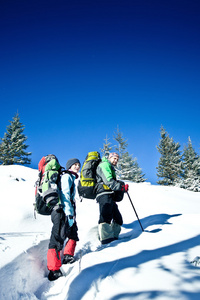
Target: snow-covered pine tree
[130, 169]
[137, 175]
[4, 150]
[106, 147]
[13, 144]
[120, 149]
[127, 168]
[191, 167]
[170, 167]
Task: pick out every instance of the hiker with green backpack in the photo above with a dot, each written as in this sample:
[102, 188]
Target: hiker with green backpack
[64, 223]
[109, 190]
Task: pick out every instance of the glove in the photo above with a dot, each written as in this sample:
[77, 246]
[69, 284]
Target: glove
[125, 188]
[70, 220]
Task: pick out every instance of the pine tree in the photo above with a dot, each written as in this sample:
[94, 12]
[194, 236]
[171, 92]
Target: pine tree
[120, 149]
[130, 169]
[137, 174]
[127, 168]
[106, 147]
[191, 166]
[170, 164]
[13, 144]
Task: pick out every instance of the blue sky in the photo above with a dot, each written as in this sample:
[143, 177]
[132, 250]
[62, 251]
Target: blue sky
[75, 70]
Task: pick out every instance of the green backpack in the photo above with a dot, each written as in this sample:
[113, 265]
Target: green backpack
[47, 186]
[86, 185]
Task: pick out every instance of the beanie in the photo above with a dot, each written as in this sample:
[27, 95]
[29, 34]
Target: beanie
[113, 154]
[71, 162]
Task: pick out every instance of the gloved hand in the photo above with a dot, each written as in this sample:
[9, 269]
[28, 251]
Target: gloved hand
[125, 187]
[70, 220]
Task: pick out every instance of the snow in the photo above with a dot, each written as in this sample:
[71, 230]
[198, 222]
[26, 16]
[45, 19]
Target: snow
[154, 264]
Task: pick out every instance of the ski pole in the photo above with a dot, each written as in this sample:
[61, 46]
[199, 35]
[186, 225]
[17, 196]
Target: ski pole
[135, 211]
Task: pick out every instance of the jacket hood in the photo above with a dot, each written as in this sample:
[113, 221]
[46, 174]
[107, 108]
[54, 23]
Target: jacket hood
[105, 159]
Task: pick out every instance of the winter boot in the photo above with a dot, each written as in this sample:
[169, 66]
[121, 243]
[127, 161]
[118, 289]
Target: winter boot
[68, 259]
[53, 275]
[116, 230]
[106, 233]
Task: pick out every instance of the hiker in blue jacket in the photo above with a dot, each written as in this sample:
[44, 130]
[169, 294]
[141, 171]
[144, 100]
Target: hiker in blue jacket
[64, 223]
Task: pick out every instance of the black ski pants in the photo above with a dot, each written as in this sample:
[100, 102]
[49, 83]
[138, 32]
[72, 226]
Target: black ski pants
[108, 210]
[61, 230]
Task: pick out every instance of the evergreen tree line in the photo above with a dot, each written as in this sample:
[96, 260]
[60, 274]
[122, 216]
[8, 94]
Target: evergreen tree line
[12, 151]
[177, 168]
[174, 168]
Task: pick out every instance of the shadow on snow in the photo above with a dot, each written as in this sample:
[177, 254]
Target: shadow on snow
[88, 277]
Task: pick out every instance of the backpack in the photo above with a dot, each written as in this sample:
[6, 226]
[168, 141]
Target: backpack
[86, 185]
[47, 185]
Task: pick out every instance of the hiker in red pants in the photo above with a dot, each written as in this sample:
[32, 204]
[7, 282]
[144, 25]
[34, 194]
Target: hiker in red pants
[64, 223]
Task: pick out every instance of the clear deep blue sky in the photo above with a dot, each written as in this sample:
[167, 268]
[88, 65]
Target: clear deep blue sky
[75, 70]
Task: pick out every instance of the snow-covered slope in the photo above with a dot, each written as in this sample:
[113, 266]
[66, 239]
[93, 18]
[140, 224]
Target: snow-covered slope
[154, 264]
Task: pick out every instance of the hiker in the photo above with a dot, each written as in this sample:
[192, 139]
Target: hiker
[108, 190]
[64, 223]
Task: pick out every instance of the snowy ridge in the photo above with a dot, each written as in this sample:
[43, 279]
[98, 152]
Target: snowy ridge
[154, 264]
